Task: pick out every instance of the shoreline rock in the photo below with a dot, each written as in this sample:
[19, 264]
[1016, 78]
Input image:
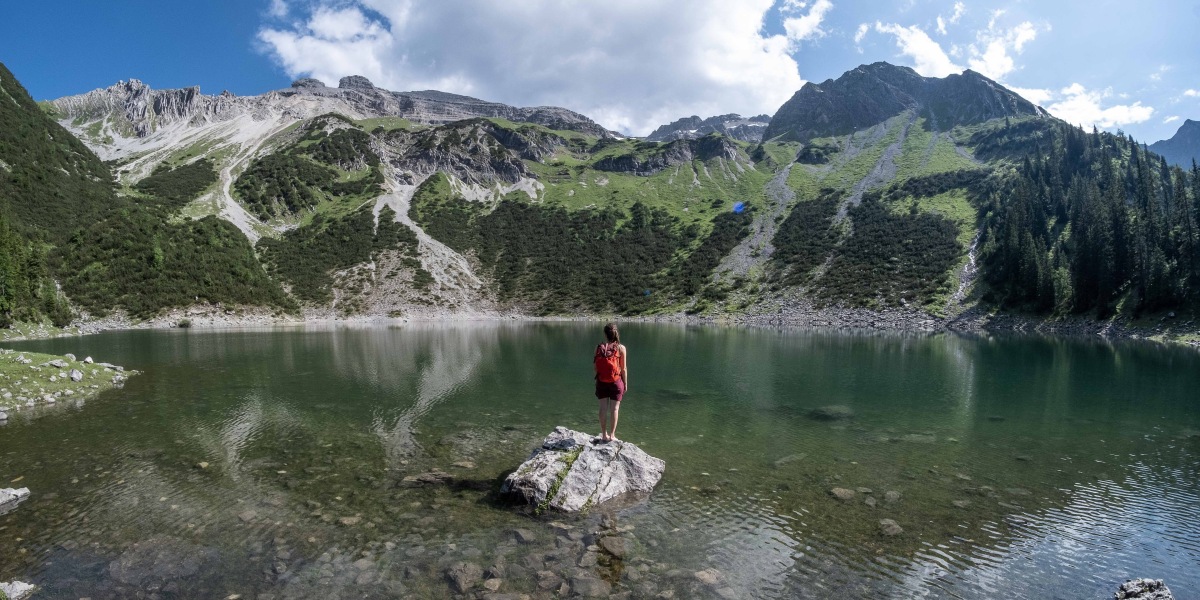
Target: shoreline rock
[570, 473]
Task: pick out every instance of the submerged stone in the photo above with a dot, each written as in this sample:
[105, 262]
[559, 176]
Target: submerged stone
[842, 494]
[570, 473]
[160, 560]
[836, 412]
[889, 527]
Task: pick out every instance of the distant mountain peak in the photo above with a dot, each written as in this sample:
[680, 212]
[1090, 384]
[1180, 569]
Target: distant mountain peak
[1183, 147]
[731, 125]
[872, 93]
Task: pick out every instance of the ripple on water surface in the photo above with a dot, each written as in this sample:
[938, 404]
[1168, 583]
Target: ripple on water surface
[275, 462]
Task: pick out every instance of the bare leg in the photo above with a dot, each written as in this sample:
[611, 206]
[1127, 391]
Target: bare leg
[603, 420]
[616, 408]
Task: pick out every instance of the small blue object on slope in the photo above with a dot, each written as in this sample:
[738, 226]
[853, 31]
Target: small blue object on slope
[738, 207]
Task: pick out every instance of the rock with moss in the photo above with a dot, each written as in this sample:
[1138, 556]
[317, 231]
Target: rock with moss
[571, 473]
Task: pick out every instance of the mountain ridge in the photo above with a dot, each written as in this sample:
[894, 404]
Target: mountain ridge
[888, 195]
[869, 94]
[735, 126]
[1183, 148]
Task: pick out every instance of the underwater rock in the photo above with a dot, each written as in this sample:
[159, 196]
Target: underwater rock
[160, 560]
[570, 473]
[842, 494]
[836, 412]
[889, 527]
[1144, 589]
[434, 477]
[463, 576]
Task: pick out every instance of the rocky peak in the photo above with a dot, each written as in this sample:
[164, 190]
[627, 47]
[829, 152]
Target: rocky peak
[1183, 147]
[731, 125]
[871, 94]
[355, 82]
[308, 82]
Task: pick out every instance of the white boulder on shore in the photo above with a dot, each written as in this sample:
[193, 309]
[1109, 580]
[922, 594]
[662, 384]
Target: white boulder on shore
[571, 473]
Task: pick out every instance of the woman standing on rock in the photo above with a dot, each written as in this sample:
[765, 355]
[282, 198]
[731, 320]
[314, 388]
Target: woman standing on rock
[612, 381]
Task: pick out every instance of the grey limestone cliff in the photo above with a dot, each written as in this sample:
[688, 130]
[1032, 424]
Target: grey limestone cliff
[140, 110]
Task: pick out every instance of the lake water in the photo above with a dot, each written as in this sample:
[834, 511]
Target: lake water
[1024, 467]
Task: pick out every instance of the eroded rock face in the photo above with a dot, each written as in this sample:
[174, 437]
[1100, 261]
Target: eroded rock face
[570, 473]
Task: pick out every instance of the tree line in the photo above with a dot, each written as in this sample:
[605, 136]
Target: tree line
[1089, 222]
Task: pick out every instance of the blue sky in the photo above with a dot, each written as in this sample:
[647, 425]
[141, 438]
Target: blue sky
[629, 64]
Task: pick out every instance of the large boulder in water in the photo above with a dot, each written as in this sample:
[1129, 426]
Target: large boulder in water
[1144, 589]
[10, 498]
[16, 590]
[571, 473]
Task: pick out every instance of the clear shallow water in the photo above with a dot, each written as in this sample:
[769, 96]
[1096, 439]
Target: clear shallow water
[1073, 464]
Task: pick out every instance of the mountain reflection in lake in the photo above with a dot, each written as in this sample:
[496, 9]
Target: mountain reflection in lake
[287, 463]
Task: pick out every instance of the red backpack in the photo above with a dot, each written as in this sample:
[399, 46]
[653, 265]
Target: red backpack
[608, 362]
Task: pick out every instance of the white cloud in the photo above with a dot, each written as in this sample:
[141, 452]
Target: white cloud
[808, 26]
[1035, 95]
[1077, 105]
[1157, 75]
[990, 55]
[278, 9]
[1170, 119]
[930, 59]
[959, 9]
[1191, 93]
[630, 65]
[861, 33]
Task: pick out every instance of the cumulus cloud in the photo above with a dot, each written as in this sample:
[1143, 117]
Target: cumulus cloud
[929, 57]
[1191, 93]
[628, 64]
[800, 27]
[991, 55]
[1077, 105]
[1037, 96]
[1170, 119]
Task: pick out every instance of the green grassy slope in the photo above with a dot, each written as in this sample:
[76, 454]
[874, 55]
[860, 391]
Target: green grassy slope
[107, 250]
